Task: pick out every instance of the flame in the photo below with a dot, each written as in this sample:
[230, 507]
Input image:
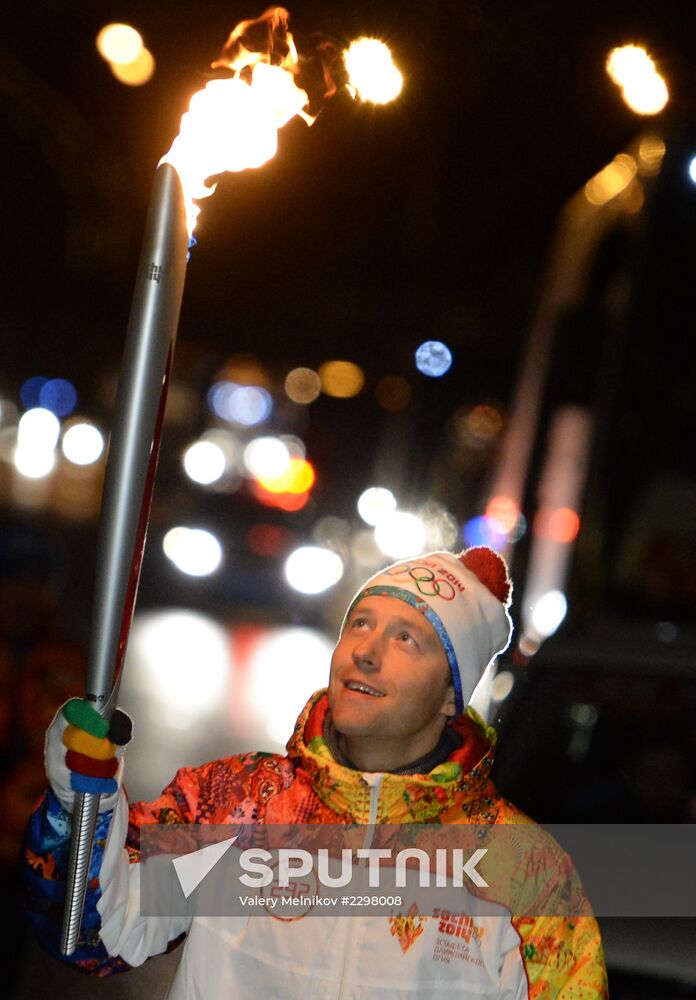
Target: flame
[232, 124]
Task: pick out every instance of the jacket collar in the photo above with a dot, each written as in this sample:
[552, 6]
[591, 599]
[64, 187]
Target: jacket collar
[457, 789]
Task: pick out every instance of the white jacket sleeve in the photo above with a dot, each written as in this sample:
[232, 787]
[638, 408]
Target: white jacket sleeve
[124, 931]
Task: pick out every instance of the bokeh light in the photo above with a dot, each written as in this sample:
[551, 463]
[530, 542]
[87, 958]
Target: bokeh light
[331, 532]
[559, 524]
[295, 445]
[441, 526]
[506, 518]
[302, 385]
[651, 152]
[501, 685]
[246, 405]
[433, 358]
[642, 87]
[692, 169]
[503, 512]
[30, 392]
[341, 379]
[393, 393]
[365, 552]
[278, 694]
[244, 369]
[563, 525]
[184, 659]
[119, 43]
[548, 612]
[400, 534]
[194, 551]
[83, 443]
[204, 462]
[290, 502]
[34, 463]
[312, 570]
[375, 503]
[298, 477]
[267, 458]
[268, 540]
[371, 71]
[229, 445]
[612, 180]
[38, 429]
[482, 424]
[529, 645]
[59, 396]
[482, 531]
[137, 72]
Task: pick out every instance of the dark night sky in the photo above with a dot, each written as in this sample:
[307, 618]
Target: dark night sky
[370, 232]
[372, 229]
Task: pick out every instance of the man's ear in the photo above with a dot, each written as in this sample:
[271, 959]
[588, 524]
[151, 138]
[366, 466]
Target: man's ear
[449, 705]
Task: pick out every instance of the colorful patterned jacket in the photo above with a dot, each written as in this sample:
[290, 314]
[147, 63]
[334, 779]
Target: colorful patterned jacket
[537, 956]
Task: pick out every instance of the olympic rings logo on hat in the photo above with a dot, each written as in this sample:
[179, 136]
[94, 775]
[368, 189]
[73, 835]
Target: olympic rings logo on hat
[425, 580]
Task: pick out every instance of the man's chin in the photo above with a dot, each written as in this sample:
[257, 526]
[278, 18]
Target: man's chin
[354, 722]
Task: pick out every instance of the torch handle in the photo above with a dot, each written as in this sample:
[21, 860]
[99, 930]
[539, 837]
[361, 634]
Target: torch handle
[84, 824]
[128, 485]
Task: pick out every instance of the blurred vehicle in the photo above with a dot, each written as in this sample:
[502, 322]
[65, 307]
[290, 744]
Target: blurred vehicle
[596, 702]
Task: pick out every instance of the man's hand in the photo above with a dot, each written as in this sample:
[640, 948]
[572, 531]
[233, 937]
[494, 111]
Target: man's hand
[84, 753]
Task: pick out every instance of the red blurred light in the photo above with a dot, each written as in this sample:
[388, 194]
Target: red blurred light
[560, 524]
[268, 540]
[284, 501]
[504, 513]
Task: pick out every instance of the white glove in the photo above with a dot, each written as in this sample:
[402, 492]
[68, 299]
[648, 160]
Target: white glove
[84, 752]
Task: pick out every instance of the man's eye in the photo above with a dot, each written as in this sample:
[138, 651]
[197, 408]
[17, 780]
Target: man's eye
[358, 623]
[406, 637]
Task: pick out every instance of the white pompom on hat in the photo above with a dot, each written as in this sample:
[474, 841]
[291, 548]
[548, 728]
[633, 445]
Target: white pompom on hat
[465, 598]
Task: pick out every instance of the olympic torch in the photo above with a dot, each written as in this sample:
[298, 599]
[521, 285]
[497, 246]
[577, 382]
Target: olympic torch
[231, 125]
[130, 473]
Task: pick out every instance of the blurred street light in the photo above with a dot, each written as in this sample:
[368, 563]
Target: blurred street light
[400, 534]
[371, 71]
[643, 89]
[312, 569]
[194, 551]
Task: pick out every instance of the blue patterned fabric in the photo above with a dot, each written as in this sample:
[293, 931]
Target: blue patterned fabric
[44, 863]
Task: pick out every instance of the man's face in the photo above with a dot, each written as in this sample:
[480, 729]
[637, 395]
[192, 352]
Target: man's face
[390, 682]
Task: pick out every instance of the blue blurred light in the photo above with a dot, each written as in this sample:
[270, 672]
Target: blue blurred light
[30, 392]
[481, 531]
[250, 405]
[433, 358]
[218, 397]
[247, 405]
[692, 169]
[59, 396]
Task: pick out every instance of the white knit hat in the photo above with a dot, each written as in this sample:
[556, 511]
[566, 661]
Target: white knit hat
[465, 598]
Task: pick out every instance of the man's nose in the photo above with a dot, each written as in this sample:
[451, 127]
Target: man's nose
[366, 653]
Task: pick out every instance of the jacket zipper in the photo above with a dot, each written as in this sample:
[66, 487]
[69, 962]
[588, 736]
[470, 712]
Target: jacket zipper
[374, 780]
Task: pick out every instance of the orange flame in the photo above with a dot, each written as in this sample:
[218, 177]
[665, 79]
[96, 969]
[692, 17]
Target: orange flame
[232, 124]
[407, 929]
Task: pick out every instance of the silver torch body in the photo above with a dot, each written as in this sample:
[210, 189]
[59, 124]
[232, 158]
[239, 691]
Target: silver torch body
[128, 485]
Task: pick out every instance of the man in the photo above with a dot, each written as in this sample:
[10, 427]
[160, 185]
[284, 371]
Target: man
[391, 742]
